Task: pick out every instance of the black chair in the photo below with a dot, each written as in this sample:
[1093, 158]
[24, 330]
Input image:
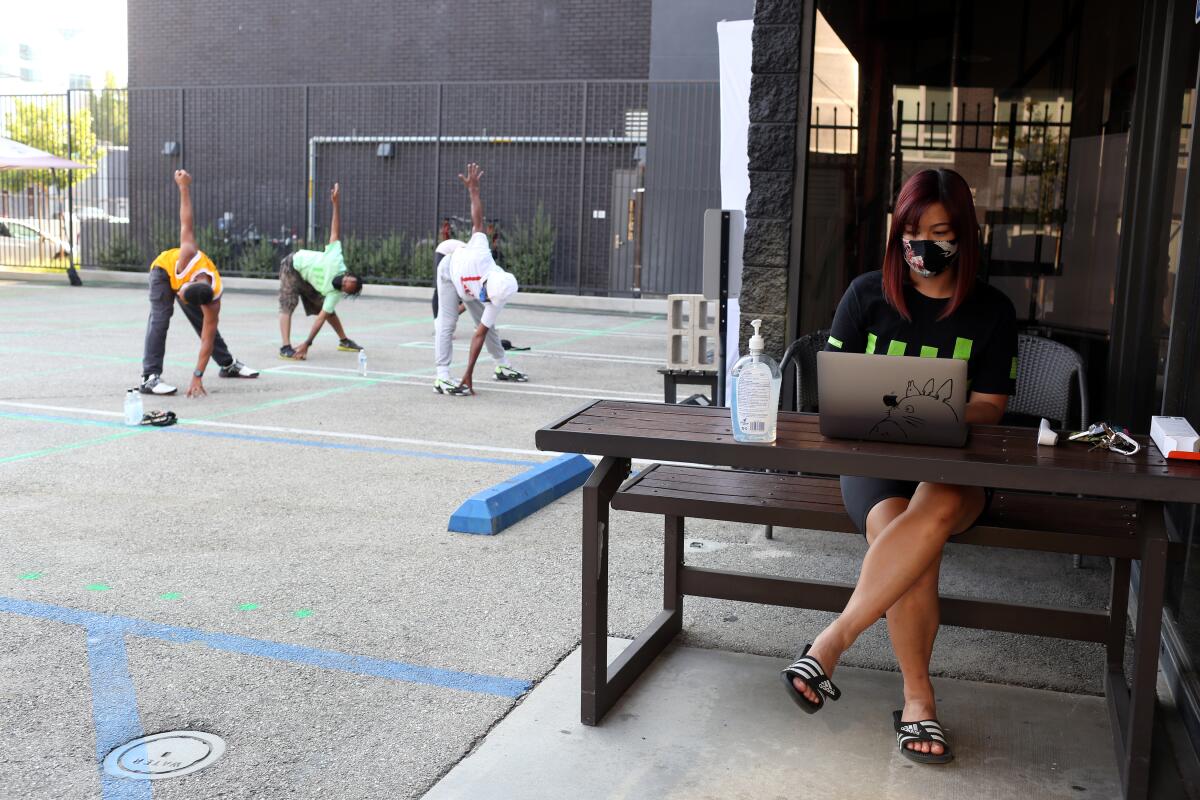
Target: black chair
[803, 353]
[1047, 373]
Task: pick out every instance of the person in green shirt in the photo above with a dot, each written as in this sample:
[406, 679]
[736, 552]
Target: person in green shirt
[319, 279]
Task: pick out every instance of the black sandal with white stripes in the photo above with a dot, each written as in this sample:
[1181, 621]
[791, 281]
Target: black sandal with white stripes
[926, 730]
[809, 670]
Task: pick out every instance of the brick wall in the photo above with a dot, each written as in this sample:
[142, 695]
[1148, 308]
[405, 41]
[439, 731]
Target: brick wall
[247, 42]
[774, 93]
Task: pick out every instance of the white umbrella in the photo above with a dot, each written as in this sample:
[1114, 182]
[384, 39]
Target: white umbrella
[14, 155]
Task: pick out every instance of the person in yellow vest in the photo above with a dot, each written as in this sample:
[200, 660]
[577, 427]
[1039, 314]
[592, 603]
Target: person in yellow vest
[186, 275]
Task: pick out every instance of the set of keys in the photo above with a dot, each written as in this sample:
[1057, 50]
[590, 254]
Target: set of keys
[1102, 436]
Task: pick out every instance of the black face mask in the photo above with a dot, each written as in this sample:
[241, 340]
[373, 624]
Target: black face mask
[929, 257]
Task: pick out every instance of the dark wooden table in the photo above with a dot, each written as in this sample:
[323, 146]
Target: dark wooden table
[1003, 458]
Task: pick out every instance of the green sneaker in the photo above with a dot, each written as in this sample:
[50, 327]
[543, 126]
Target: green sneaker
[506, 373]
[449, 386]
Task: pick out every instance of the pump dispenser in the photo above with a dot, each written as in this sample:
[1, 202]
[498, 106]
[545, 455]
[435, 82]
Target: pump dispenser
[754, 403]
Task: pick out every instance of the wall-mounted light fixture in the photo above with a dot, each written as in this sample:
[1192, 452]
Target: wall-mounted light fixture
[385, 149]
[170, 148]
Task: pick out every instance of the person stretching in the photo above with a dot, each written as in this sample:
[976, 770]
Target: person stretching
[186, 275]
[469, 275]
[319, 279]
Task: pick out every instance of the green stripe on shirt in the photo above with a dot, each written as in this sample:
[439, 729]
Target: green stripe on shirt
[1012, 373]
[836, 342]
[896, 347]
[928, 352]
[870, 343]
[962, 348]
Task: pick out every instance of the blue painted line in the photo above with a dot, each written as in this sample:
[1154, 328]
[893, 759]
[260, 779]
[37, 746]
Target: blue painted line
[278, 651]
[492, 510]
[190, 431]
[114, 708]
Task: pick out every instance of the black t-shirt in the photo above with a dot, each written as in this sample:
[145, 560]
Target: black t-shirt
[983, 330]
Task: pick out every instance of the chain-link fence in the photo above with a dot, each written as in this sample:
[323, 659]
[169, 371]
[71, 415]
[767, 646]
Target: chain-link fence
[595, 187]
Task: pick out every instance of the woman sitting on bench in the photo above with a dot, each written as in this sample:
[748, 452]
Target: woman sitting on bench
[926, 301]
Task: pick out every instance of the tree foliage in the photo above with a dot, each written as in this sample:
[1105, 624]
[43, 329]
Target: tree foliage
[44, 125]
[110, 113]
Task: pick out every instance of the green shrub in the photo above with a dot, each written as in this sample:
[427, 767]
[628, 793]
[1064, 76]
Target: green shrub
[529, 250]
[258, 261]
[121, 252]
[420, 262]
[164, 235]
[212, 243]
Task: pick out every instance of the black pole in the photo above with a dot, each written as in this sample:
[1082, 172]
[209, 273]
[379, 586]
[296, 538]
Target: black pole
[72, 275]
[723, 309]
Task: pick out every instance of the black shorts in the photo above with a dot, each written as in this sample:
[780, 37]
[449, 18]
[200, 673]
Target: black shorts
[860, 495]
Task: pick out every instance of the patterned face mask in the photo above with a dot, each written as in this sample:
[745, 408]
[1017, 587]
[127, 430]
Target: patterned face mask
[929, 257]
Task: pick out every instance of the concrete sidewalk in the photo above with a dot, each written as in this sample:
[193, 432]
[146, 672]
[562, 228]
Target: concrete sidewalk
[708, 724]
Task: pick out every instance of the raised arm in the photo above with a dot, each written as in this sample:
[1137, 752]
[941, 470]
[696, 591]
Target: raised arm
[335, 226]
[471, 181]
[187, 234]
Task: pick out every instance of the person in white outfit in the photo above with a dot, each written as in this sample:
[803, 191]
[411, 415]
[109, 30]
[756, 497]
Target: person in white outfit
[467, 274]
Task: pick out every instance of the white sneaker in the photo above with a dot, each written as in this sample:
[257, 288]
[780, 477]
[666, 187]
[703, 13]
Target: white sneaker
[238, 370]
[449, 386]
[151, 384]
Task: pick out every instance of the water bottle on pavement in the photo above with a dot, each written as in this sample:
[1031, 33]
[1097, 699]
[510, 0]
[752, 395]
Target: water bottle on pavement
[133, 407]
[362, 363]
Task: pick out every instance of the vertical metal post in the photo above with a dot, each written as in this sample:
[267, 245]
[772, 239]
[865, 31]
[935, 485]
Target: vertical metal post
[1009, 158]
[897, 152]
[582, 183]
[72, 275]
[723, 309]
[308, 176]
[182, 132]
[437, 168]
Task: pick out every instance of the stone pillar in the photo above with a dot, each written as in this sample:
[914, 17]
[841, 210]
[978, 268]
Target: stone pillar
[774, 97]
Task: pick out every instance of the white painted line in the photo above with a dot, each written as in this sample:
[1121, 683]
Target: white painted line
[491, 386]
[368, 437]
[589, 332]
[568, 354]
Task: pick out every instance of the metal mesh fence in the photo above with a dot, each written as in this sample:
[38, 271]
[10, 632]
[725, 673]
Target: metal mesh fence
[594, 187]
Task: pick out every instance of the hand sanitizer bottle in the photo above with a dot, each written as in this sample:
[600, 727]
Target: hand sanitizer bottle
[362, 363]
[133, 407]
[755, 380]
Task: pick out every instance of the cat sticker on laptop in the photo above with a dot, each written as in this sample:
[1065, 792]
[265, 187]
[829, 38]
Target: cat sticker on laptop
[860, 398]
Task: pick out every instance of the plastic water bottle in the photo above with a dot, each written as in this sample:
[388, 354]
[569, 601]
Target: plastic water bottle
[362, 363]
[133, 407]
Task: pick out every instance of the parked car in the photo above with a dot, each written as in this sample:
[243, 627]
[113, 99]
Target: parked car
[26, 243]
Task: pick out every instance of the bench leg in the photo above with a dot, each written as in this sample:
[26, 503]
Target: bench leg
[672, 570]
[1139, 726]
[1118, 615]
[669, 389]
[598, 492]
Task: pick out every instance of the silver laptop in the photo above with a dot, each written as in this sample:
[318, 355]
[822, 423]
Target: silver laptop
[893, 398]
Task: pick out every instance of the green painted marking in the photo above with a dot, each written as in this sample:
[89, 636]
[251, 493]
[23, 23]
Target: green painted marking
[302, 613]
[97, 587]
[962, 348]
[1012, 372]
[74, 446]
[871, 342]
[248, 607]
[170, 596]
[928, 352]
[896, 347]
[836, 342]
[32, 576]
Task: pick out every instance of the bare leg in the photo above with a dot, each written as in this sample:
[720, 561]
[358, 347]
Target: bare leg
[913, 627]
[336, 322]
[285, 328]
[903, 556]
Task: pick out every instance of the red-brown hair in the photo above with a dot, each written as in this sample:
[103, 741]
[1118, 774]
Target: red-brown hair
[919, 192]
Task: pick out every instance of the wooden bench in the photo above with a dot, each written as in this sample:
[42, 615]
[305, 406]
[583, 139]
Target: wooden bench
[1129, 525]
[1014, 520]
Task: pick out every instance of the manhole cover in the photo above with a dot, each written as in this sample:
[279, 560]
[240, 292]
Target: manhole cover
[164, 755]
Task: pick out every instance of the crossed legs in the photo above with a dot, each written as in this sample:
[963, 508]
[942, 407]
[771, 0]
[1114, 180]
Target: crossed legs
[899, 577]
